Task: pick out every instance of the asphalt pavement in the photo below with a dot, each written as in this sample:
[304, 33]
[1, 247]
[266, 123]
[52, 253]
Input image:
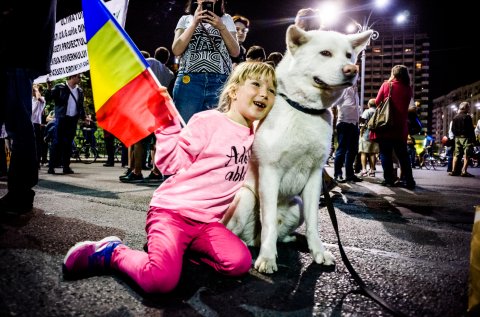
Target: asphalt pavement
[411, 247]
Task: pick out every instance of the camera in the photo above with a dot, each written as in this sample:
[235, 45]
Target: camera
[207, 6]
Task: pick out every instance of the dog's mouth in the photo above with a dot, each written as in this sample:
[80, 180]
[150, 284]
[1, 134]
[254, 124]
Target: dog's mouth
[259, 104]
[323, 85]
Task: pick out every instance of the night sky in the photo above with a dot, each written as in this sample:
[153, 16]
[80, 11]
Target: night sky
[453, 35]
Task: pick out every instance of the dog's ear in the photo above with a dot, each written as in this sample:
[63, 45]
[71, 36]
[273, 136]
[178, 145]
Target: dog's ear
[360, 40]
[296, 37]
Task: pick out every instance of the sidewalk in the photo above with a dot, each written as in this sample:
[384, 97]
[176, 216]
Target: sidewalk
[410, 247]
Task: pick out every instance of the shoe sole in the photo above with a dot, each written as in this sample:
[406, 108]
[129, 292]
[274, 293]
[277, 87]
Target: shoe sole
[84, 244]
[132, 181]
[153, 180]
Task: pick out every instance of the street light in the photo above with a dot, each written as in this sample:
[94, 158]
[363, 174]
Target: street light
[400, 18]
[365, 27]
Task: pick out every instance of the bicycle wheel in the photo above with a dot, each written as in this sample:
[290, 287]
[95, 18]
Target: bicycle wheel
[426, 162]
[75, 152]
[88, 154]
[431, 162]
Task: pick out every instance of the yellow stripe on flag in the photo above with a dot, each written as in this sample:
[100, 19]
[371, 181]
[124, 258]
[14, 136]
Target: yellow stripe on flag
[113, 63]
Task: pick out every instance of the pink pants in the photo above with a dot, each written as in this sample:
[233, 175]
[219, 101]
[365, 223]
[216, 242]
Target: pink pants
[169, 235]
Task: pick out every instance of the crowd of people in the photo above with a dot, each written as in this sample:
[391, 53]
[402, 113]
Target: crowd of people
[217, 90]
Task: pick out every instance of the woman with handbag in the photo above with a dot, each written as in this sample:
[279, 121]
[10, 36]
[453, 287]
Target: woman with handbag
[205, 38]
[393, 137]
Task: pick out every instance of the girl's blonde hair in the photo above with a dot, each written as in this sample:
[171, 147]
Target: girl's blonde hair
[242, 72]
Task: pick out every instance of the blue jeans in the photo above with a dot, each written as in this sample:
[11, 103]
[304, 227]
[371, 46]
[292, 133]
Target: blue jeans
[347, 148]
[449, 155]
[201, 92]
[16, 113]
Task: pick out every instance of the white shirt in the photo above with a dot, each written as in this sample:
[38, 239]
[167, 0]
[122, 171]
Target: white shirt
[450, 133]
[72, 104]
[38, 105]
[200, 56]
[348, 106]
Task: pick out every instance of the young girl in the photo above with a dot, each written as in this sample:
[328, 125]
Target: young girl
[208, 158]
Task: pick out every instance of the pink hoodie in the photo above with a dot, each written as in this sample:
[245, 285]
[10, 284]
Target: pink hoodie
[209, 159]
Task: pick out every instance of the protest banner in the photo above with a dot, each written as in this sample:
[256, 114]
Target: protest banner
[70, 46]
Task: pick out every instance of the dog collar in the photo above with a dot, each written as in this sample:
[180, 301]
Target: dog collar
[301, 108]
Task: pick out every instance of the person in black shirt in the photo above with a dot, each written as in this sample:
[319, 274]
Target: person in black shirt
[462, 129]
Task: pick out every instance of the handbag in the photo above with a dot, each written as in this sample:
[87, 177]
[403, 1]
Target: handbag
[381, 118]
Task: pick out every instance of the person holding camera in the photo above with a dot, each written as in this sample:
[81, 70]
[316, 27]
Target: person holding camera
[205, 38]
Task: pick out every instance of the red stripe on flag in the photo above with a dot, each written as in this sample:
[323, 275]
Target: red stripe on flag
[136, 110]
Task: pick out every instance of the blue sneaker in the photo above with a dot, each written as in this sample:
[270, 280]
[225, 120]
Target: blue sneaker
[90, 257]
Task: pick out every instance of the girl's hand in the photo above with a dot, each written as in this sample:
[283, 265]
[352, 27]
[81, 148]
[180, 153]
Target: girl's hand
[199, 15]
[214, 20]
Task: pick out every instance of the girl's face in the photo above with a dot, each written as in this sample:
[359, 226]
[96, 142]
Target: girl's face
[252, 101]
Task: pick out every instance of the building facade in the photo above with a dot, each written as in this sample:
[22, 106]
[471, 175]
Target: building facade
[445, 107]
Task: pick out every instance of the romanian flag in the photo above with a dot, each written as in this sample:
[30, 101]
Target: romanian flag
[129, 101]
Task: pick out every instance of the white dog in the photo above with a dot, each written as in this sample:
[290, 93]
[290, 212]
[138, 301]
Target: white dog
[292, 143]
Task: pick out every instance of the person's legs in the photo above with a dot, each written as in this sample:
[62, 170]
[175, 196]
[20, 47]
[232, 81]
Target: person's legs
[125, 156]
[373, 152]
[56, 146]
[400, 149]
[386, 152]
[16, 113]
[219, 248]
[109, 148]
[159, 270]
[341, 150]
[135, 166]
[465, 163]
[363, 159]
[138, 157]
[449, 155]
[70, 130]
[372, 161]
[351, 138]
[38, 142]
[457, 157]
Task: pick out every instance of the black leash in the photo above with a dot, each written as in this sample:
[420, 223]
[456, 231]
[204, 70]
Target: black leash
[364, 290]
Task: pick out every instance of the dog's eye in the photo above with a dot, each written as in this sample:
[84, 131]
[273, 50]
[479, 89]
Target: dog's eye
[326, 53]
[348, 55]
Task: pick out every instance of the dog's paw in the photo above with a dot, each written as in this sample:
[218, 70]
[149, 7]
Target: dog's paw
[325, 258]
[265, 265]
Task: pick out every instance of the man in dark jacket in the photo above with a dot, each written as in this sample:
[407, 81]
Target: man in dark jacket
[18, 69]
[68, 98]
[462, 129]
